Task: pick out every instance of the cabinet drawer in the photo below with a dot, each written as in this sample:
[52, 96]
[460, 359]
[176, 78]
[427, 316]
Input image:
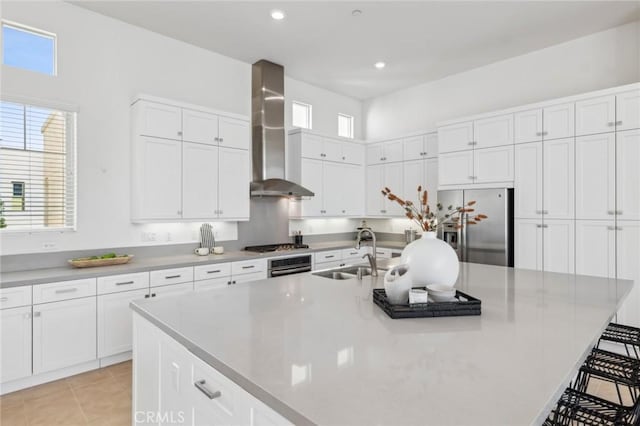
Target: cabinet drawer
[171, 276]
[328, 256]
[354, 254]
[225, 407]
[15, 296]
[329, 265]
[248, 266]
[383, 253]
[215, 270]
[64, 290]
[212, 283]
[171, 289]
[124, 282]
[245, 278]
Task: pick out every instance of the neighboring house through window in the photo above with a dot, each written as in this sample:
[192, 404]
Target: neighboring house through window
[17, 202]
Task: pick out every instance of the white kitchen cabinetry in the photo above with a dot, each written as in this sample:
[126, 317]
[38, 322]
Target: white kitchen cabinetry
[420, 147]
[317, 147]
[379, 177]
[352, 153]
[168, 290]
[528, 244]
[146, 368]
[596, 176]
[596, 115]
[455, 137]
[384, 152]
[493, 164]
[558, 121]
[558, 178]
[628, 175]
[186, 174]
[15, 351]
[421, 173]
[200, 168]
[628, 268]
[455, 168]
[114, 321]
[528, 181]
[596, 248]
[12, 297]
[558, 245]
[64, 334]
[493, 131]
[628, 110]
[528, 126]
[175, 378]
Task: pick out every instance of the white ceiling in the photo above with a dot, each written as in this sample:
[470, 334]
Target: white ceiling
[323, 44]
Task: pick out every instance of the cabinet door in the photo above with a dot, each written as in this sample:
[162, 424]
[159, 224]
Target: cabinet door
[413, 148]
[211, 283]
[431, 145]
[558, 245]
[393, 151]
[199, 127]
[115, 322]
[146, 367]
[413, 176]
[595, 248]
[528, 180]
[167, 290]
[233, 183]
[199, 181]
[455, 137]
[332, 150]
[159, 179]
[431, 182]
[558, 178]
[595, 176]
[558, 121]
[312, 179]
[375, 183]
[455, 168]
[64, 334]
[528, 244]
[175, 378]
[353, 184]
[15, 351]
[595, 115]
[312, 146]
[527, 126]
[334, 181]
[247, 278]
[628, 268]
[234, 133]
[375, 153]
[493, 164]
[628, 175]
[352, 153]
[393, 180]
[493, 131]
[159, 120]
[628, 110]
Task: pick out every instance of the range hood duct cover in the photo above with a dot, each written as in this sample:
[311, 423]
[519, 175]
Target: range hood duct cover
[267, 122]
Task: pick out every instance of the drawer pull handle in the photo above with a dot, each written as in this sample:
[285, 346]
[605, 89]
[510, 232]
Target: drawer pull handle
[3, 299]
[125, 283]
[200, 384]
[249, 267]
[217, 271]
[66, 290]
[329, 257]
[36, 314]
[168, 277]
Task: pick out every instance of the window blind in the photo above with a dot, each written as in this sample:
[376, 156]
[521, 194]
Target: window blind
[37, 167]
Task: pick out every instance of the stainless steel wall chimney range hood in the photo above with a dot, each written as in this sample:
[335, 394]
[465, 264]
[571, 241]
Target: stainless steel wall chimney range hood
[267, 122]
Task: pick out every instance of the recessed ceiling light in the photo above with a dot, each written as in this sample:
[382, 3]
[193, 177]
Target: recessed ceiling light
[379, 65]
[278, 15]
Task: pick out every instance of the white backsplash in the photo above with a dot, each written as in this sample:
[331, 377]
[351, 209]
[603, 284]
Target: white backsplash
[340, 225]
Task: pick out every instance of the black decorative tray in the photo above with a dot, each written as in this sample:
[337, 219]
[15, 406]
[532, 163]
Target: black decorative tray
[470, 306]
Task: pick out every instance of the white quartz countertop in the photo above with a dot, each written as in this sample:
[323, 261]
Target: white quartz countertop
[320, 351]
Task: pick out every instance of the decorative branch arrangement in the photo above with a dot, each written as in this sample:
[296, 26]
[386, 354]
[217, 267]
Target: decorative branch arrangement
[430, 221]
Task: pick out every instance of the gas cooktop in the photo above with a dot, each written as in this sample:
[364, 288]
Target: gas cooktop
[275, 247]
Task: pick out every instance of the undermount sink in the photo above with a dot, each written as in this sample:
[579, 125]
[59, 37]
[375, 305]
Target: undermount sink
[345, 273]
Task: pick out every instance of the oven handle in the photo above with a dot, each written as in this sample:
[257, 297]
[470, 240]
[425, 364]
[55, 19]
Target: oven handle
[291, 271]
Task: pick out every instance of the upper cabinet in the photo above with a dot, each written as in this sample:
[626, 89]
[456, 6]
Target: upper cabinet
[493, 131]
[455, 137]
[186, 161]
[558, 121]
[420, 147]
[596, 115]
[628, 110]
[527, 126]
[318, 147]
[385, 152]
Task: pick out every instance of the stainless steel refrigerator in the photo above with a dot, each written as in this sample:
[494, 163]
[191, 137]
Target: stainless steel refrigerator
[489, 242]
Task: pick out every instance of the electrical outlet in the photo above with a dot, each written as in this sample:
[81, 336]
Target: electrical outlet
[148, 236]
[169, 236]
[48, 246]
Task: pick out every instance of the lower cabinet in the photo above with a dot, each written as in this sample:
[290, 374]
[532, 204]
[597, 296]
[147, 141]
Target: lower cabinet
[167, 290]
[628, 268]
[545, 246]
[596, 248]
[172, 386]
[15, 351]
[114, 321]
[64, 334]
[212, 283]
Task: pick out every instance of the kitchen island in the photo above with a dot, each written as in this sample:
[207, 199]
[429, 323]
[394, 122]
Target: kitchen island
[310, 350]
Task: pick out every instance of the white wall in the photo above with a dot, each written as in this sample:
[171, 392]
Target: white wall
[102, 64]
[598, 61]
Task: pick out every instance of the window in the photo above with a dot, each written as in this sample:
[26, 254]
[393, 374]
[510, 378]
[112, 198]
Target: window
[37, 167]
[301, 115]
[345, 126]
[28, 48]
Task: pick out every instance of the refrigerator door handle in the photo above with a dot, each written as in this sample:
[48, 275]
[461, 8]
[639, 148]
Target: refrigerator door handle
[463, 247]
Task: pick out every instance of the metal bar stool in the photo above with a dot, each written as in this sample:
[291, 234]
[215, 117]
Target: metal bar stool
[579, 408]
[625, 335]
[622, 371]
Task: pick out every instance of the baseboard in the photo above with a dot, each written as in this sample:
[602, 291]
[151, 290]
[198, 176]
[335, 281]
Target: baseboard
[27, 382]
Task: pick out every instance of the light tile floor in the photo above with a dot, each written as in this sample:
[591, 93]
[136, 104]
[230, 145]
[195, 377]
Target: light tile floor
[103, 397]
[98, 397]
